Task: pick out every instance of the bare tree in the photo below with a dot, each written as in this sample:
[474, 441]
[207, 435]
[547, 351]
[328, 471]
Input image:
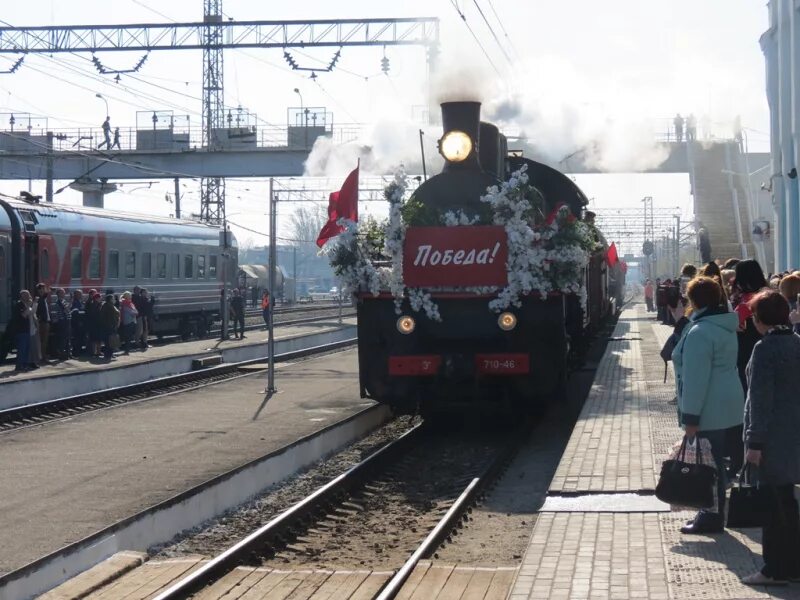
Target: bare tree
[305, 224]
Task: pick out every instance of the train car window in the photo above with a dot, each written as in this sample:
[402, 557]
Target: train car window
[113, 264]
[212, 266]
[76, 263]
[161, 265]
[94, 264]
[188, 269]
[147, 265]
[2, 262]
[176, 266]
[44, 265]
[130, 265]
[201, 267]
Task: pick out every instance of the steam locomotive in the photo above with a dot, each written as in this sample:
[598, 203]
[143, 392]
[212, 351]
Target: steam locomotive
[474, 358]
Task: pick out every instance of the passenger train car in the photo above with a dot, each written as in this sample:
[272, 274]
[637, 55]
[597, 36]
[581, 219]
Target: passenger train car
[180, 262]
[473, 358]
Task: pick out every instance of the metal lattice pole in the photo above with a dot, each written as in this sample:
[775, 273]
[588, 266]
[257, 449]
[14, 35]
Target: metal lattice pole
[212, 190]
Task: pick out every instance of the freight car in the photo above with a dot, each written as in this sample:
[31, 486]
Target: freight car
[182, 263]
[469, 354]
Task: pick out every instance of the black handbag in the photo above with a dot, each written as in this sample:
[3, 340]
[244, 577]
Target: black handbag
[749, 504]
[687, 484]
[666, 352]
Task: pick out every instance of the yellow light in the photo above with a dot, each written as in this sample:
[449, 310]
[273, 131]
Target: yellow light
[507, 321]
[455, 146]
[406, 324]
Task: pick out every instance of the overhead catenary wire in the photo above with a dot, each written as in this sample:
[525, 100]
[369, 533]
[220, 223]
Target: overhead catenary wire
[502, 27]
[491, 30]
[475, 37]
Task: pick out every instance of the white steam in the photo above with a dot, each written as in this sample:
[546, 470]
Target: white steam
[568, 118]
[382, 148]
[552, 112]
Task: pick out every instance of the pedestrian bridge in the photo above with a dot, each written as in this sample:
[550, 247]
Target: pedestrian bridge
[169, 149]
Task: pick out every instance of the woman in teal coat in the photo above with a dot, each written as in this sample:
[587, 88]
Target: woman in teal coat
[710, 397]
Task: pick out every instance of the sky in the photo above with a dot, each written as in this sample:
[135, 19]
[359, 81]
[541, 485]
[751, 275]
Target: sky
[576, 69]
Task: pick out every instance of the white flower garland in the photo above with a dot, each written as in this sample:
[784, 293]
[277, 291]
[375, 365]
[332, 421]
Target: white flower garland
[529, 263]
[361, 276]
[532, 267]
[395, 236]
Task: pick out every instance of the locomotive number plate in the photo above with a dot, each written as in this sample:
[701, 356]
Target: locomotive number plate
[414, 365]
[502, 364]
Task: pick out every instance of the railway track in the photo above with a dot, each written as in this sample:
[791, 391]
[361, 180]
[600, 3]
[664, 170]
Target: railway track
[31, 415]
[392, 509]
[256, 323]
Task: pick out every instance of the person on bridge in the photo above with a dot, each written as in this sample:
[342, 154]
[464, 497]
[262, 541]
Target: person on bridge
[106, 134]
[738, 132]
[710, 398]
[691, 128]
[771, 423]
[237, 312]
[116, 139]
[678, 123]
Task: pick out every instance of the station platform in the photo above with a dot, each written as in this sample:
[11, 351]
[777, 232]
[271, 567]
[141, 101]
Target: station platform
[601, 532]
[68, 479]
[124, 576]
[59, 379]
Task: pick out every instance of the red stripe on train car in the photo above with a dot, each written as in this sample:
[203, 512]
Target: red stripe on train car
[414, 365]
[502, 364]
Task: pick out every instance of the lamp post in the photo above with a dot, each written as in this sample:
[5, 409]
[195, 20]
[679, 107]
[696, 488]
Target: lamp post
[273, 215]
[305, 118]
[99, 95]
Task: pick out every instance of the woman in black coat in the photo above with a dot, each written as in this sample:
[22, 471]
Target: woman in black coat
[771, 423]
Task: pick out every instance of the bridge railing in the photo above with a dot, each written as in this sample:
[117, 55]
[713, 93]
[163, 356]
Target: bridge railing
[185, 138]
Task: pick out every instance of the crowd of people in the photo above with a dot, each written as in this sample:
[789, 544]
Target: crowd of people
[735, 352]
[56, 324]
[50, 323]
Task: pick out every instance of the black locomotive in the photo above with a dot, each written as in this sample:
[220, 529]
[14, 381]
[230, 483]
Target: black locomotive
[514, 359]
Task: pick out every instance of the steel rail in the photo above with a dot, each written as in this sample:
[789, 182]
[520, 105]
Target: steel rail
[228, 559]
[456, 513]
[51, 410]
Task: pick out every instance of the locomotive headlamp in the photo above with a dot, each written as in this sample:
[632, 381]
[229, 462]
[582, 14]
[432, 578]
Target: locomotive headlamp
[507, 321]
[406, 324]
[455, 146]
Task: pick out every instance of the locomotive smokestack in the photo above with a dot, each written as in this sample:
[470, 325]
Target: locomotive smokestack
[461, 135]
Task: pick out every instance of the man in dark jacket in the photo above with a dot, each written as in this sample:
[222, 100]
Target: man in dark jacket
[109, 323]
[237, 310]
[20, 327]
[43, 315]
[146, 313]
[60, 316]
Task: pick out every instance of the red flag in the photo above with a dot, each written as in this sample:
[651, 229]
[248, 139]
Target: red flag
[611, 255]
[341, 205]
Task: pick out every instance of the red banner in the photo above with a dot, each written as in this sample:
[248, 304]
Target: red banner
[455, 256]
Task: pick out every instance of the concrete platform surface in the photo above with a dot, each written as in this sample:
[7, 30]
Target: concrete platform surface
[65, 480]
[582, 547]
[160, 351]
